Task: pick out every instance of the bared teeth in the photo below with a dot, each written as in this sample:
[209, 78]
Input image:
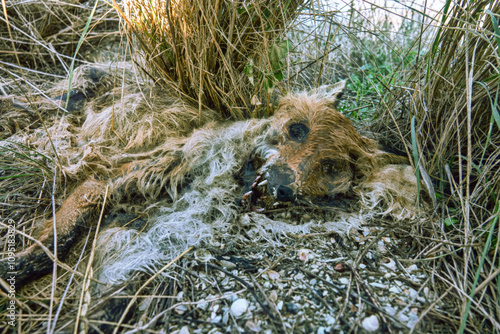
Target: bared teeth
[256, 181]
[245, 195]
[263, 183]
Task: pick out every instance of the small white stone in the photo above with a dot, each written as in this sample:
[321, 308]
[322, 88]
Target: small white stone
[378, 285]
[227, 264]
[390, 310]
[273, 275]
[413, 318]
[426, 292]
[252, 326]
[184, 330]
[180, 309]
[395, 289]
[321, 330]
[371, 323]
[280, 305]
[403, 317]
[217, 319]
[239, 307]
[381, 246]
[330, 320]
[299, 277]
[344, 280]
[413, 293]
[273, 296]
[411, 268]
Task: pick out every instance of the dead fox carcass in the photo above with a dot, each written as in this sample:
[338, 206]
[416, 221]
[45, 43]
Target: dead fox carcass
[147, 147]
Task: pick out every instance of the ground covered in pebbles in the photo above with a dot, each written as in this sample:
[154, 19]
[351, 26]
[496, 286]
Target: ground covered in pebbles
[359, 281]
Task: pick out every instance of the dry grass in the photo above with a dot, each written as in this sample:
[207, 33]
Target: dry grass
[43, 35]
[453, 96]
[224, 55]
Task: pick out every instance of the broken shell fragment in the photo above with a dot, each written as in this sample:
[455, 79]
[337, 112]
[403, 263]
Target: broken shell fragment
[339, 267]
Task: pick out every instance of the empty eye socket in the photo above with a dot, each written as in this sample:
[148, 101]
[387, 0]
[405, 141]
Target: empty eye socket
[298, 132]
[331, 167]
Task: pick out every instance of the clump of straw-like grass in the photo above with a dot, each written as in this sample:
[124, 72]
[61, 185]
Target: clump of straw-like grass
[39, 38]
[25, 180]
[225, 55]
[452, 98]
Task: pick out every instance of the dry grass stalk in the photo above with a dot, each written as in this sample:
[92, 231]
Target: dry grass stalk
[220, 54]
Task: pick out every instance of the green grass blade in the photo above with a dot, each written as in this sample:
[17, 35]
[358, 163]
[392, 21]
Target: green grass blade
[479, 269]
[80, 42]
[415, 155]
[495, 27]
[29, 149]
[19, 175]
[438, 36]
[25, 157]
[495, 117]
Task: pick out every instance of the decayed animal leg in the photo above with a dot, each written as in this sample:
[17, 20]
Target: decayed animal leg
[74, 213]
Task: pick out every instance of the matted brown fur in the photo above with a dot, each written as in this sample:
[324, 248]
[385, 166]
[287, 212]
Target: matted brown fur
[313, 152]
[142, 143]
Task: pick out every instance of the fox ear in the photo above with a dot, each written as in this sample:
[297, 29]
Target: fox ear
[330, 93]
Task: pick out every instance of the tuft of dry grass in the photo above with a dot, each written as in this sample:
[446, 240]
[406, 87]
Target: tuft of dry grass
[453, 95]
[223, 55]
[42, 35]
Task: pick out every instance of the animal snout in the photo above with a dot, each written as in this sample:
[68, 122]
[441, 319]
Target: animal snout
[285, 194]
[281, 181]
